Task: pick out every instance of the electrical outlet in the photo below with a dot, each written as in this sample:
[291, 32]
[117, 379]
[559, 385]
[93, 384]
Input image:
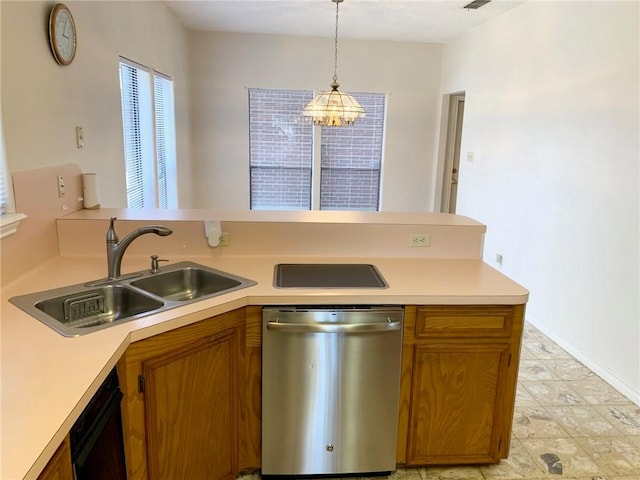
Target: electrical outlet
[225, 239]
[499, 259]
[419, 240]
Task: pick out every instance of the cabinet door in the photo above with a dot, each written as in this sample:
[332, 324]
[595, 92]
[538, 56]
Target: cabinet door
[456, 394]
[182, 409]
[59, 467]
[190, 406]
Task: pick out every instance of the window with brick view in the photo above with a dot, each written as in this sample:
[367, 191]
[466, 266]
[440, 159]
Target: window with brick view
[282, 164]
[351, 159]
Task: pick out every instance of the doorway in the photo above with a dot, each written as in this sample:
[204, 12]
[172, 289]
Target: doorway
[452, 154]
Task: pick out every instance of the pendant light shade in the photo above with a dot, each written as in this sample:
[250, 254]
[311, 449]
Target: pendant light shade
[334, 108]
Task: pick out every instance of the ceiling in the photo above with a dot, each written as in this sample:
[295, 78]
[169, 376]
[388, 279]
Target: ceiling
[389, 20]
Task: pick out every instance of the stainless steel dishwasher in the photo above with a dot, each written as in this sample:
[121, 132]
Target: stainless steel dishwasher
[330, 389]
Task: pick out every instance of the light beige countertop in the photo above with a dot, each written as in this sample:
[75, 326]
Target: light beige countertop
[47, 379]
[280, 216]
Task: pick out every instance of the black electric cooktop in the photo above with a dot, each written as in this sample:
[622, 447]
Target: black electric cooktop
[328, 275]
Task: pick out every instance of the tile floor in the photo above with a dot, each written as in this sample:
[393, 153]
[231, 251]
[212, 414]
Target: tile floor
[568, 423]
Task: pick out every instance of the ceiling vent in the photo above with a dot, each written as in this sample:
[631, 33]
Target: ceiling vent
[476, 4]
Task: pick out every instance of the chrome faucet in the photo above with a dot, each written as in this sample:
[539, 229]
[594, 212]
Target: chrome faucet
[116, 247]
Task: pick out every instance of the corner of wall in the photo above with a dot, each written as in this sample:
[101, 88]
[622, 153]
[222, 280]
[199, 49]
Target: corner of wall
[36, 195]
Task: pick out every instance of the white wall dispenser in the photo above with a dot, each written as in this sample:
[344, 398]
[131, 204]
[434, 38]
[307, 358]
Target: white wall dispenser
[213, 230]
[91, 194]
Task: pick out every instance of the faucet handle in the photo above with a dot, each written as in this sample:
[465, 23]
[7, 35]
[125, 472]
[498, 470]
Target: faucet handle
[155, 268]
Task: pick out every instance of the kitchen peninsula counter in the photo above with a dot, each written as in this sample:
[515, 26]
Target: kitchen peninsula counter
[48, 379]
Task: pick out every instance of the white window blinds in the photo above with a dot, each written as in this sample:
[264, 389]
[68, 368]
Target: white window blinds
[6, 203]
[165, 141]
[148, 123]
[5, 199]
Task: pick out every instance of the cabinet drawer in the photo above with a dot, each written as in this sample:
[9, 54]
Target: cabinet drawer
[468, 321]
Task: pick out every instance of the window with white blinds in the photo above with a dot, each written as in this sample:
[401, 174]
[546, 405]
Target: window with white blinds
[6, 199]
[288, 172]
[149, 137]
[9, 219]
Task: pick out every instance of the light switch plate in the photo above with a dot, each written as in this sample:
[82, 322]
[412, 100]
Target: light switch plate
[60, 186]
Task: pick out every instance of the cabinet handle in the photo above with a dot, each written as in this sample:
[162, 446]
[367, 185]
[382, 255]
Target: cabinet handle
[333, 328]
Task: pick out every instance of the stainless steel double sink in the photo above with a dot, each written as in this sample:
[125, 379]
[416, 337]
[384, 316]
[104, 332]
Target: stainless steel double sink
[85, 308]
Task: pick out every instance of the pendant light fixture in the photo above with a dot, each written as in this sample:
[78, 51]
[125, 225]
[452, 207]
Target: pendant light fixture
[334, 108]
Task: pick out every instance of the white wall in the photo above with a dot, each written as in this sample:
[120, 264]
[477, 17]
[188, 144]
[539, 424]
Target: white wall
[552, 116]
[44, 102]
[223, 66]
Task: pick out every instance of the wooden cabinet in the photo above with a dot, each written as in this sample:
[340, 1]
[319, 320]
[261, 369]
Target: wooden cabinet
[59, 466]
[192, 406]
[458, 385]
[183, 404]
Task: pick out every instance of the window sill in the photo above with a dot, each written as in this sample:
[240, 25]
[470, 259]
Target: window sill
[9, 223]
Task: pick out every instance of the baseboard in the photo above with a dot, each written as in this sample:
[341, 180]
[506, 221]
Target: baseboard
[589, 361]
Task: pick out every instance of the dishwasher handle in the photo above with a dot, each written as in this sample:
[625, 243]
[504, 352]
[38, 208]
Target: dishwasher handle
[333, 327]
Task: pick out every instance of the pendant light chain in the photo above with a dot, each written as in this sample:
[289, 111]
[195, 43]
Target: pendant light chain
[334, 108]
[335, 46]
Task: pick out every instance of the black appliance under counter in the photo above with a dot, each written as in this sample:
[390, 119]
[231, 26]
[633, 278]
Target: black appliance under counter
[97, 447]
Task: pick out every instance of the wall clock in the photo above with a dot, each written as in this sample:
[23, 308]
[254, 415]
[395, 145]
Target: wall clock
[62, 34]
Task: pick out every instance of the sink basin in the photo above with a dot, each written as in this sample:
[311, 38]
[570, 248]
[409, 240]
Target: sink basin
[98, 306]
[77, 309]
[84, 308]
[188, 283]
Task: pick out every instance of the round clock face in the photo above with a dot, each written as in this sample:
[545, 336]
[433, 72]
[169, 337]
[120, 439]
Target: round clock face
[62, 34]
